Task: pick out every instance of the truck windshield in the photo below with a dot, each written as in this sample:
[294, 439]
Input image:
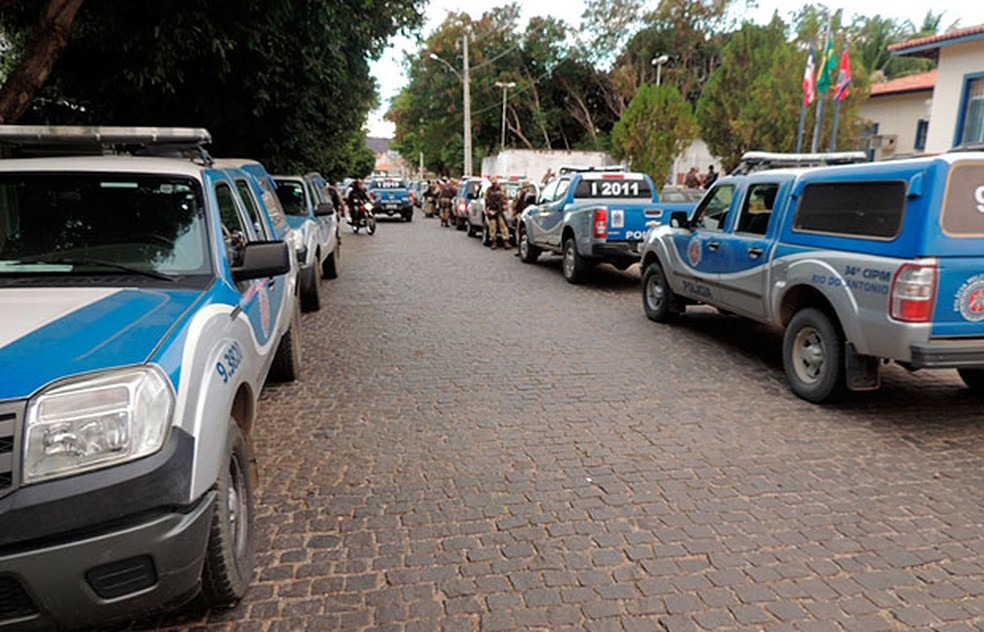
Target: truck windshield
[101, 223]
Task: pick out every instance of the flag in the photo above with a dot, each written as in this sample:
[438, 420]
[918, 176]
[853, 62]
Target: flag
[809, 79]
[843, 77]
[828, 64]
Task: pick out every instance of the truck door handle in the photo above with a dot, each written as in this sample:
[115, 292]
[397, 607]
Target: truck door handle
[754, 252]
[713, 246]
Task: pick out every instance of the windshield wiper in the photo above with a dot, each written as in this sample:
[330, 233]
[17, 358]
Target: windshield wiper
[73, 261]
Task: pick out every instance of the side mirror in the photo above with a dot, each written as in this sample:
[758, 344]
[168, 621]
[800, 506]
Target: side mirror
[324, 208]
[678, 219]
[263, 259]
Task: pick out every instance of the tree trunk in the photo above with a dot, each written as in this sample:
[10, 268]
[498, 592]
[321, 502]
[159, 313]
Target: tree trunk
[517, 128]
[44, 46]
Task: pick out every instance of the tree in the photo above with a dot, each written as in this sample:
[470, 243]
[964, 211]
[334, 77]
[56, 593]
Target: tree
[285, 82]
[752, 100]
[656, 127]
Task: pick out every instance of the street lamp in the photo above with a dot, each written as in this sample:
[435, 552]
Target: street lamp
[659, 62]
[505, 85]
[465, 80]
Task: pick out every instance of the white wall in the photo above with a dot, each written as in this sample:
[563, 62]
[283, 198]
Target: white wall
[533, 164]
[956, 61]
[695, 155]
[897, 114]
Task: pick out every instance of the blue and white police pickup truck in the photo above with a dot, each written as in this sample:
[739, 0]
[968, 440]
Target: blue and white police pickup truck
[315, 221]
[857, 264]
[391, 196]
[145, 301]
[591, 216]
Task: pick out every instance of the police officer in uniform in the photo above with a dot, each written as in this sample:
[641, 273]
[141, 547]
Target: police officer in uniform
[495, 208]
[444, 202]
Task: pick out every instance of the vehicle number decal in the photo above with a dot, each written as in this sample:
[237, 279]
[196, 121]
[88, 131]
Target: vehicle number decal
[616, 188]
[979, 196]
[230, 361]
[970, 299]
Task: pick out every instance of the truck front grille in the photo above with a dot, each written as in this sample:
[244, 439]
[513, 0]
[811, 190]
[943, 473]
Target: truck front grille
[15, 603]
[10, 427]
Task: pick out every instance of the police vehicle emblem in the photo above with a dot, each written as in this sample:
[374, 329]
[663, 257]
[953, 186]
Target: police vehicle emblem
[694, 250]
[970, 299]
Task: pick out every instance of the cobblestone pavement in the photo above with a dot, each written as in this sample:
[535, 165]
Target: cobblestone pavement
[477, 445]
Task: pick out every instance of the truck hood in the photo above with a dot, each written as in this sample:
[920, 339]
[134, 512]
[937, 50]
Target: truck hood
[50, 333]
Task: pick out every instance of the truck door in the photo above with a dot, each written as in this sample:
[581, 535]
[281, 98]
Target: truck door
[549, 216]
[744, 252]
[699, 257]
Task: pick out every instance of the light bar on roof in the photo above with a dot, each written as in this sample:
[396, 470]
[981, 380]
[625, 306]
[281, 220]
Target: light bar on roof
[107, 135]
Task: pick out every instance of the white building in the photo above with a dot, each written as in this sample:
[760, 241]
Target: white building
[957, 112]
[899, 113]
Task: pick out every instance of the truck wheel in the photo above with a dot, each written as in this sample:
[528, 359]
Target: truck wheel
[575, 267]
[973, 378]
[408, 217]
[528, 253]
[329, 269]
[286, 366]
[311, 292]
[658, 300]
[813, 356]
[228, 566]
[460, 224]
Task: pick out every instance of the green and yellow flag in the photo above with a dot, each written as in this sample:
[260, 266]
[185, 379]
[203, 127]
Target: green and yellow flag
[828, 66]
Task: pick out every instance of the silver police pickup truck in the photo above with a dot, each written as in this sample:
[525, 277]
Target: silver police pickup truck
[856, 263]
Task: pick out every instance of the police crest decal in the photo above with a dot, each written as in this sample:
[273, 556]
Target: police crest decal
[970, 299]
[694, 250]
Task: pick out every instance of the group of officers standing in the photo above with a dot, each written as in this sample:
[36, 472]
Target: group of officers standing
[442, 193]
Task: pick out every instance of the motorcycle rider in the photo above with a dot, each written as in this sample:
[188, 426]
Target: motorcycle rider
[356, 198]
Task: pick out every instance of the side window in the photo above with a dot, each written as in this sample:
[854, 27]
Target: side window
[252, 209]
[922, 130]
[562, 189]
[863, 209]
[971, 118]
[235, 234]
[548, 192]
[712, 214]
[757, 210]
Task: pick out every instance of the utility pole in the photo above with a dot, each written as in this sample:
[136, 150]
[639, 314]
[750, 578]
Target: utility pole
[467, 90]
[505, 85]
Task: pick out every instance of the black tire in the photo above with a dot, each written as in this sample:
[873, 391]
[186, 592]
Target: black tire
[486, 241]
[574, 267]
[813, 356]
[371, 225]
[355, 228]
[460, 223]
[408, 217]
[286, 366]
[329, 268]
[311, 289]
[471, 229]
[228, 566]
[658, 300]
[973, 378]
[528, 253]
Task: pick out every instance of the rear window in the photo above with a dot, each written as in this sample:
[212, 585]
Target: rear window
[858, 209]
[963, 206]
[613, 188]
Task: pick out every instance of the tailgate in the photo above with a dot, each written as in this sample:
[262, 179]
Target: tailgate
[627, 222]
[960, 297]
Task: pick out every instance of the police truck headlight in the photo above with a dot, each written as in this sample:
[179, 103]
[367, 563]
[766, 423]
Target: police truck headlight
[95, 422]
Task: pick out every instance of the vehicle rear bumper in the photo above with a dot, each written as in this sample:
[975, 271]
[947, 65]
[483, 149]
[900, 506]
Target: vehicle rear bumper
[123, 573]
[953, 354]
[625, 252]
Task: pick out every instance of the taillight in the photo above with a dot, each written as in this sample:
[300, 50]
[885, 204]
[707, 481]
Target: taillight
[601, 223]
[914, 293]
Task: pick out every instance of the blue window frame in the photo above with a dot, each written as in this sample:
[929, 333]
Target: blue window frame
[922, 129]
[970, 118]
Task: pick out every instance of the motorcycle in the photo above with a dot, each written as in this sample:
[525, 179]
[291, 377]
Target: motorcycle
[366, 219]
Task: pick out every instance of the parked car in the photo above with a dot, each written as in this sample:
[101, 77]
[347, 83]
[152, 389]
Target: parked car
[469, 190]
[313, 216]
[857, 264]
[146, 301]
[391, 196]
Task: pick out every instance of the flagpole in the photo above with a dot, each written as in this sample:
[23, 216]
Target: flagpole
[799, 133]
[816, 128]
[823, 82]
[833, 131]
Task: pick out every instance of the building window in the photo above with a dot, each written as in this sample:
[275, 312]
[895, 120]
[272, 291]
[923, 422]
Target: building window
[922, 128]
[972, 116]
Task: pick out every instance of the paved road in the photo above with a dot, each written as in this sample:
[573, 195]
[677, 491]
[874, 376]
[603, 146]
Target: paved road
[477, 445]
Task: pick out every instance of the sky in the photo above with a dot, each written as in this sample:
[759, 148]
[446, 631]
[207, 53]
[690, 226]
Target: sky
[391, 77]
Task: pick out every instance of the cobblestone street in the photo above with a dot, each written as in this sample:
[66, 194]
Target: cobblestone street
[477, 445]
